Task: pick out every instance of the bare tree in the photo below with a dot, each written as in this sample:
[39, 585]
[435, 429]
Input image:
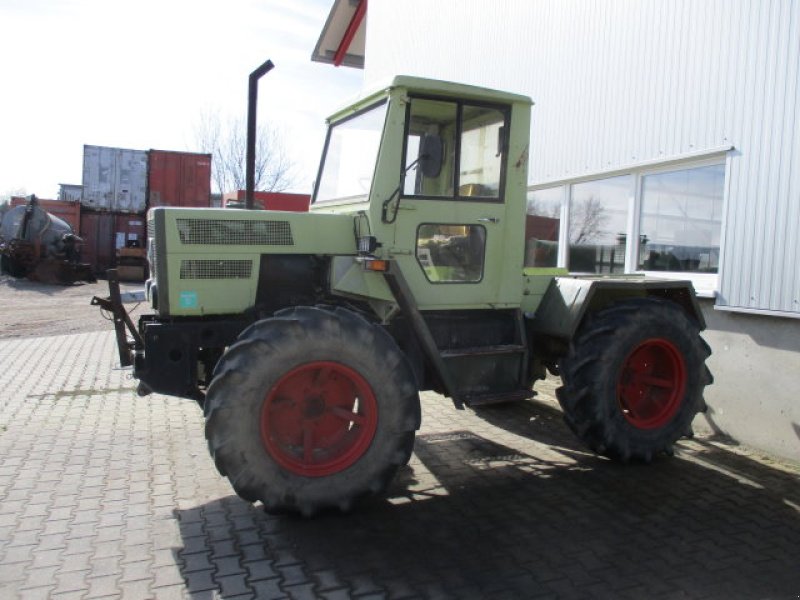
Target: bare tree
[226, 141]
[543, 209]
[586, 221]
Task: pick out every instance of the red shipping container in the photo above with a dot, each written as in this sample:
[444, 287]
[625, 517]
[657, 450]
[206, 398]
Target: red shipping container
[104, 233]
[64, 210]
[178, 179]
[270, 200]
[97, 232]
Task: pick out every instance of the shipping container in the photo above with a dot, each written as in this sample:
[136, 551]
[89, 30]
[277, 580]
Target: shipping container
[97, 232]
[114, 179]
[178, 179]
[130, 231]
[67, 211]
[104, 233]
[268, 201]
[70, 192]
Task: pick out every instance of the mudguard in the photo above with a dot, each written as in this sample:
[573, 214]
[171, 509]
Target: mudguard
[568, 300]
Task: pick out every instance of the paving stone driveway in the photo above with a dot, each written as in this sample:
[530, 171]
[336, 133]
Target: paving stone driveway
[105, 495]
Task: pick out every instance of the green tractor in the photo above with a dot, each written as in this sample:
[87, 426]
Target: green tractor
[307, 337]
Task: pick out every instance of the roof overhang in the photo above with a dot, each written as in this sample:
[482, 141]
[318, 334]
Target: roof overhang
[342, 41]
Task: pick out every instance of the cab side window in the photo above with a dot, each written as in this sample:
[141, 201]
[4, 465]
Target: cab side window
[482, 141]
[437, 120]
[451, 253]
[454, 150]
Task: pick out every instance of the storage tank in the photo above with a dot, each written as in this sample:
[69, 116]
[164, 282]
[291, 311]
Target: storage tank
[114, 179]
[41, 246]
[40, 227]
[69, 211]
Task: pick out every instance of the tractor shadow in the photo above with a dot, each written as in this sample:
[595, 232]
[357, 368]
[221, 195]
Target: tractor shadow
[474, 517]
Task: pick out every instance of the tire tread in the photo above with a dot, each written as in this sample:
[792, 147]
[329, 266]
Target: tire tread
[237, 391]
[584, 395]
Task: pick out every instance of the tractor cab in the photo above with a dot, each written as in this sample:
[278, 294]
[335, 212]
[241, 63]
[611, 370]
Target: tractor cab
[437, 174]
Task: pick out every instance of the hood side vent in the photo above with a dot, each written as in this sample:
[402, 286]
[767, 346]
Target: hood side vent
[234, 232]
[216, 269]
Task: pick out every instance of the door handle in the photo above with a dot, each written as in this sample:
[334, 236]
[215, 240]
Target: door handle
[488, 220]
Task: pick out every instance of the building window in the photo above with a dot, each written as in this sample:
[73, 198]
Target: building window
[674, 213]
[598, 225]
[681, 219]
[542, 225]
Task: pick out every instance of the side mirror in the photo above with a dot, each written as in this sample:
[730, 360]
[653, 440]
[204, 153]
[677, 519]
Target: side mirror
[431, 153]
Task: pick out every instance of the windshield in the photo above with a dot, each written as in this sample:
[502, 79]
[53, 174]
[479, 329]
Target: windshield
[350, 155]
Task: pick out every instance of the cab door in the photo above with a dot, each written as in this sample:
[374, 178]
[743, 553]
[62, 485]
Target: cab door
[450, 222]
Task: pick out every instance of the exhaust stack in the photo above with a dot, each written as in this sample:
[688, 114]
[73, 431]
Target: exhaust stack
[252, 101]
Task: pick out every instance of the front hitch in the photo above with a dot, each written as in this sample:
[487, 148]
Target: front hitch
[122, 320]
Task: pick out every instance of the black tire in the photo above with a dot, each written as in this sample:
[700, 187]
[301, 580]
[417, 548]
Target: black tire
[257, 430]
[633, 379]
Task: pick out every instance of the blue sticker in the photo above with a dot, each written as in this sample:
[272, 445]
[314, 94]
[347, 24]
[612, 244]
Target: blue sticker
[188, 300]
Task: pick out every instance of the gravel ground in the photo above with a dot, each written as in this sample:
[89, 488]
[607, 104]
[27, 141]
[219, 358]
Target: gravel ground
[32, 309]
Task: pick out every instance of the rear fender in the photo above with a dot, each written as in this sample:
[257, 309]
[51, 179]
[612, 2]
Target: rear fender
[569, 300]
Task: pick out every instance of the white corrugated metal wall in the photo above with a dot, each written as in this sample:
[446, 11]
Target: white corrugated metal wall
[622, 82]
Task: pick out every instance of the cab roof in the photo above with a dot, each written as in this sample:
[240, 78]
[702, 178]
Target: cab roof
[430, 87]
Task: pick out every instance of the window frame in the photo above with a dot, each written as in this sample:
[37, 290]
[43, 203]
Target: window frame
[451, 282]
[503, 109]
[325, 149]
[706, 284]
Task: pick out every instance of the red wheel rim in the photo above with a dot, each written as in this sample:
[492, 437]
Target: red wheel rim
[652, 384]
[319, 419]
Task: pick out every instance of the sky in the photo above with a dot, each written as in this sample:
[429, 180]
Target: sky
[140, 74]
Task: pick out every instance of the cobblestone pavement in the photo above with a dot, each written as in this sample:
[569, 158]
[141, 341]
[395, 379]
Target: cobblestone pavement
[104, 494]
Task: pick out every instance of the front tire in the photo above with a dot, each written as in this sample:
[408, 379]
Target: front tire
[311, 409]
[634, 378]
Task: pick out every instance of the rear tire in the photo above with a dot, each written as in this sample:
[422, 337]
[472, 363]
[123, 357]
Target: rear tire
[311, 409]
[634, 378]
